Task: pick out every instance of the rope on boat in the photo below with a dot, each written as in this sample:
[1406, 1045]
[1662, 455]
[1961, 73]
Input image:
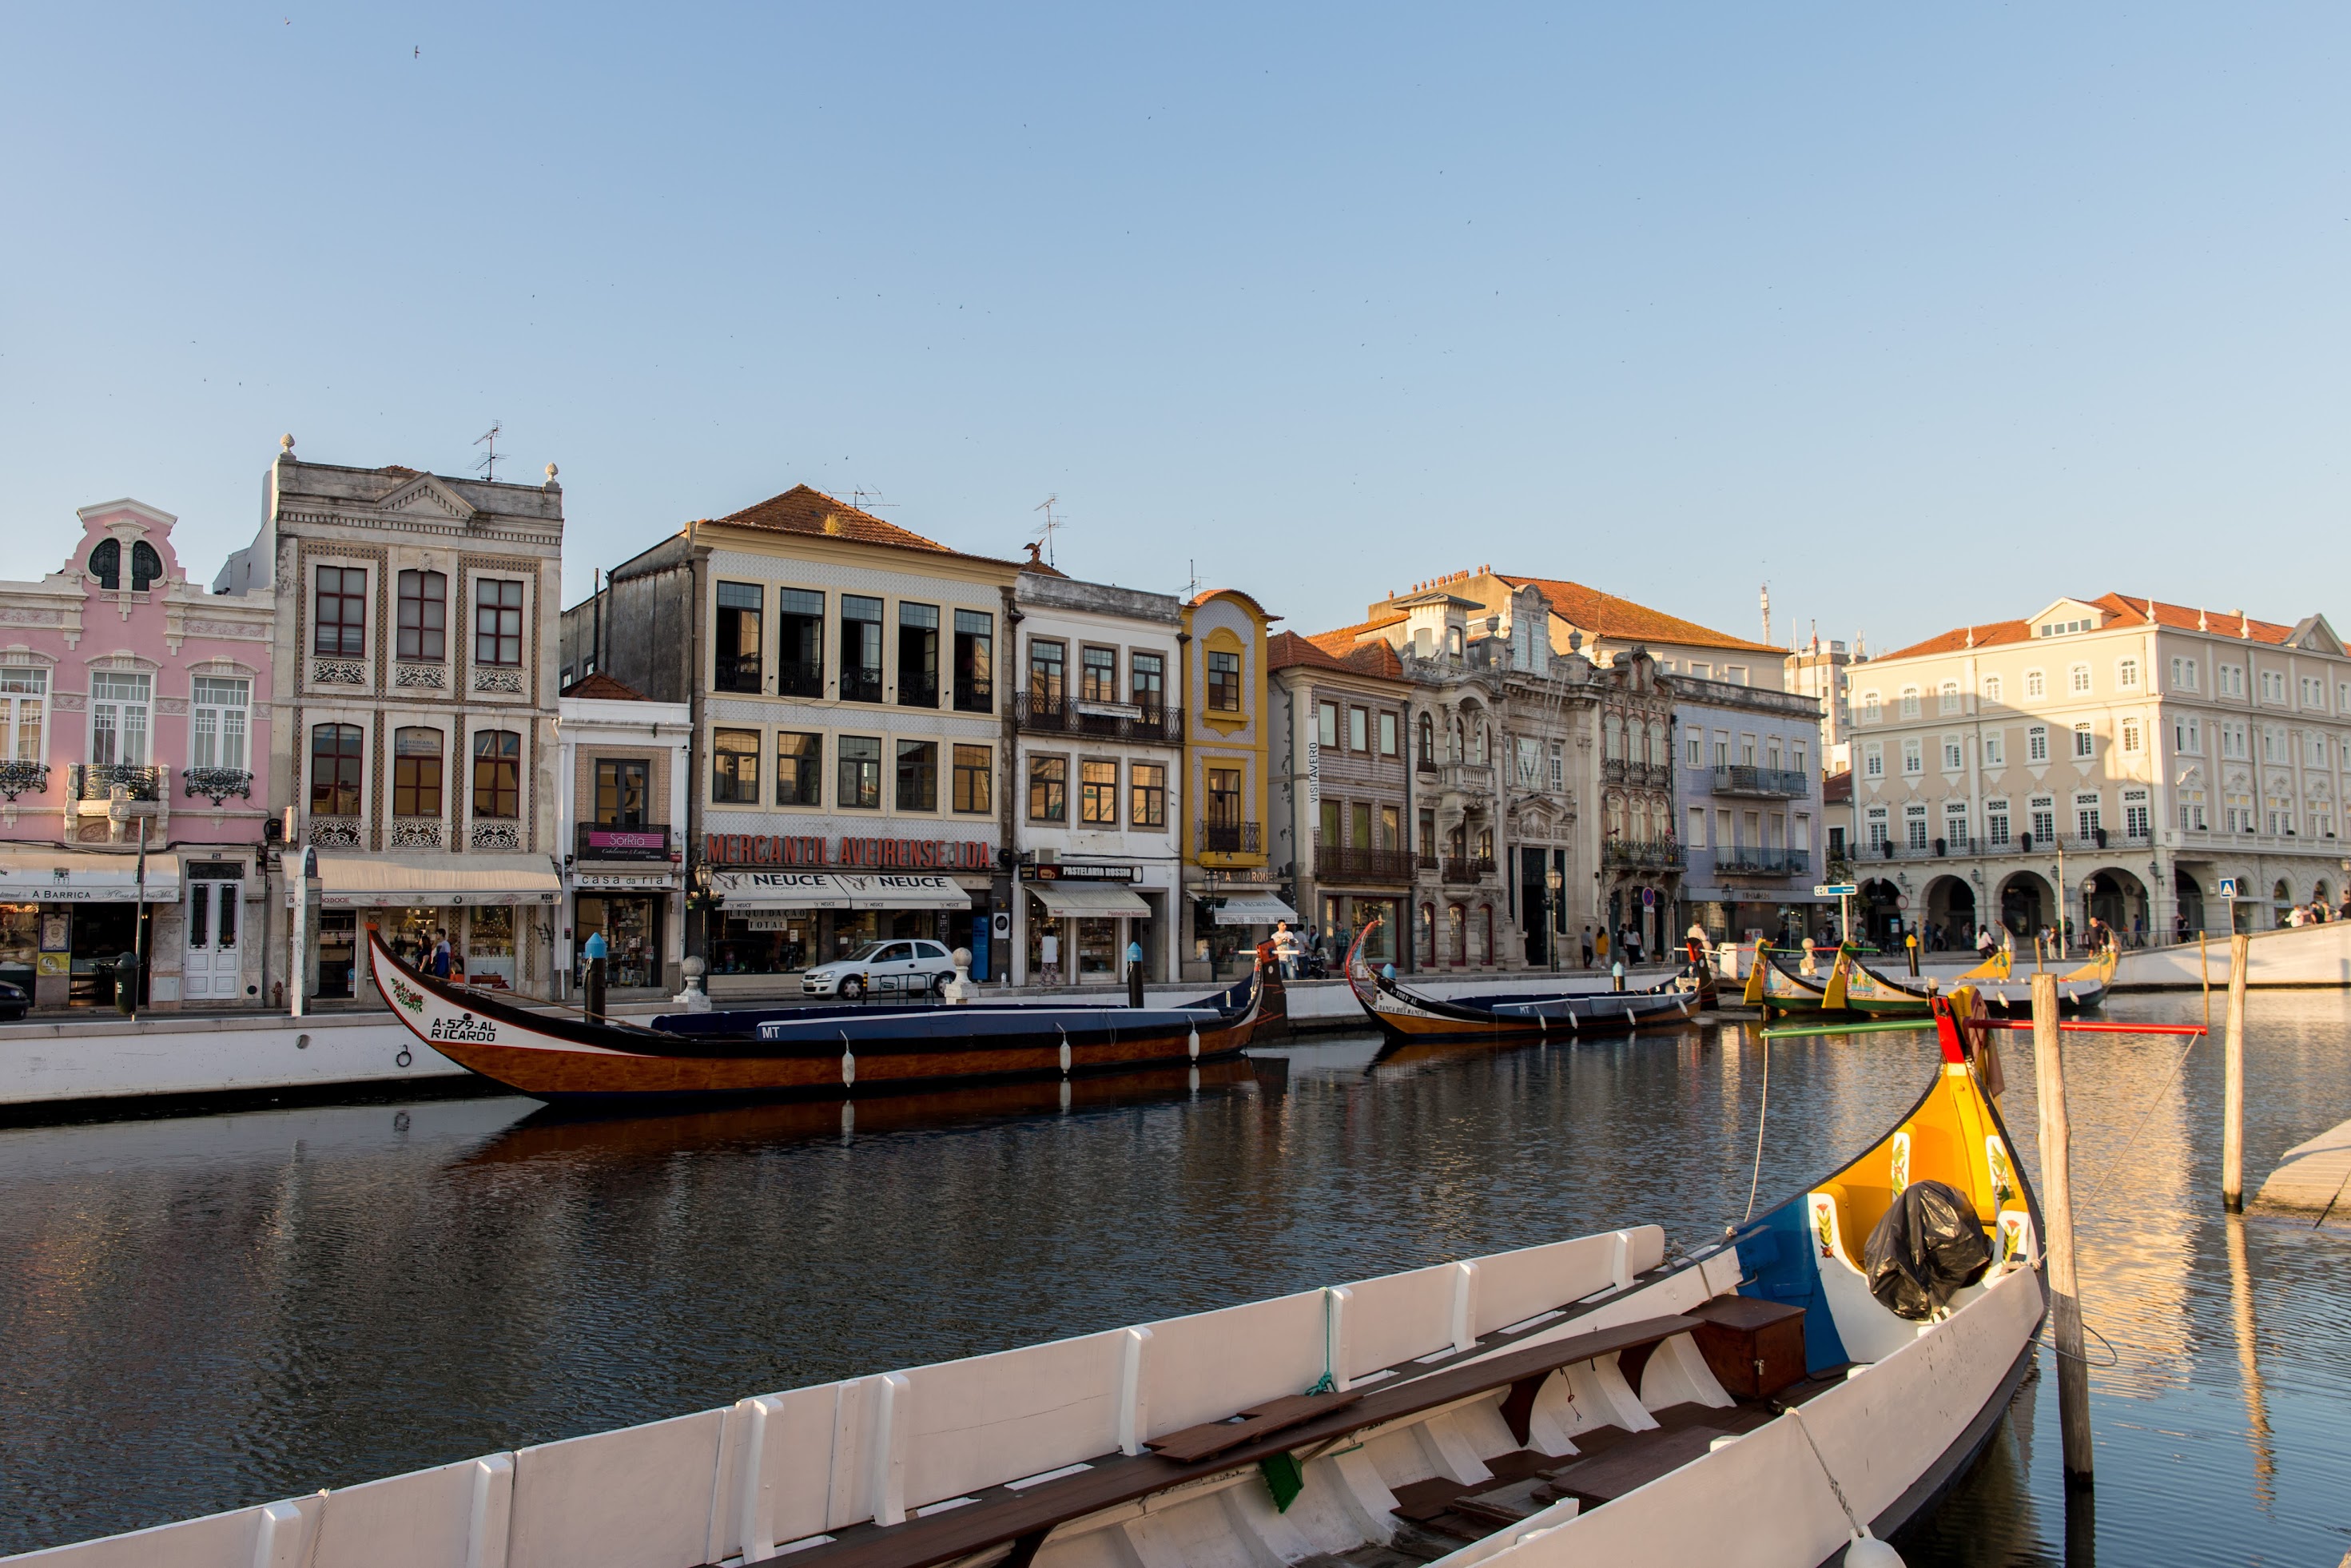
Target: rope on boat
[1762, 1109]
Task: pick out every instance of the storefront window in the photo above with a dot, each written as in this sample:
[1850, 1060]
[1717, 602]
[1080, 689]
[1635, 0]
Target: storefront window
[630, 925]
[490, 946]
[1097, 953]
[760, 942]
[1045, 937]
[20, 943]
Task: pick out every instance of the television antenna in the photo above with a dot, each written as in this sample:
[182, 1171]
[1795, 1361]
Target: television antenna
[488, 464]
[1053, 525]
[865, 501]
[1192, 589]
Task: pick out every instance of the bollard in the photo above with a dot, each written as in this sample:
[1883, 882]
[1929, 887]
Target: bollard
[1135, 974]
[2232, 1101]
[1911, 944]
[126, 985]
[1616, 971]
[593, 993]
[2057, 1215]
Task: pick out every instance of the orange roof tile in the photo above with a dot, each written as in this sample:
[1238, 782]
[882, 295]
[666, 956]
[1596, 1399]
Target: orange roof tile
[1605, 615]
[803, 510]
[601, 687]
[1347, 639]
[1285, 650]
[2129, 610]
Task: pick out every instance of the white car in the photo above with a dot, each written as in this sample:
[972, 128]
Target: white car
[899, 969]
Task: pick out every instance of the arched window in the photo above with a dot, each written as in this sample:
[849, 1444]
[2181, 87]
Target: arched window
[106, 563]
[1910, 702]
[1991, 688]
[1477, 740]
[497, 773]
[1458, 921]
[1428, 742]
[1428, 936]
[146, 565]
[336, 763]
[415, 772]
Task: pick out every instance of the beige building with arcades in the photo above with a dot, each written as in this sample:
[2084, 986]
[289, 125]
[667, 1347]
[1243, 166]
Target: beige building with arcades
[847, 785]
[2115, 758]
[413, 698]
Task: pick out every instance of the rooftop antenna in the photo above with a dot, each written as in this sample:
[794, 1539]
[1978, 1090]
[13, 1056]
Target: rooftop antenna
[1192, 589]
[865, 501]
[1053, 525]
[488, 466]
[1767, 613]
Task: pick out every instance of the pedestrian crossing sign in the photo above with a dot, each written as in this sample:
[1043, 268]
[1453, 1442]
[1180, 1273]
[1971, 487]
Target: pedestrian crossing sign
[2228, 887]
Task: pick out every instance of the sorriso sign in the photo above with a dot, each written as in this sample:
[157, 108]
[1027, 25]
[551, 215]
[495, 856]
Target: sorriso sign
[847, 853]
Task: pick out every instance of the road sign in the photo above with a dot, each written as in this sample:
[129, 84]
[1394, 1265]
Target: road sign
[1835, 889]
[1649, 898]
[2228, 887]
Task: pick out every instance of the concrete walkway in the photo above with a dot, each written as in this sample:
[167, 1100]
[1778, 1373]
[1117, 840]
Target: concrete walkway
[2313, 1179]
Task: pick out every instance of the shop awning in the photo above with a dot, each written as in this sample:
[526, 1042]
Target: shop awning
[400, 881]
[748, 889]
[1253, 909]
[1084, 898]
[745, 891]
[30, 874]
[915, 890]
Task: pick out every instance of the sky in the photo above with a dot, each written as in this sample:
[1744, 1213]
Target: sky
[1922, 315]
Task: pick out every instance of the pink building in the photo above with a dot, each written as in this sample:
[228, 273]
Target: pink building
[132, 705]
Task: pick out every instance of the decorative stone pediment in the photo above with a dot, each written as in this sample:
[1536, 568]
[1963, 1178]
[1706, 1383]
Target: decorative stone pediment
[427, 496]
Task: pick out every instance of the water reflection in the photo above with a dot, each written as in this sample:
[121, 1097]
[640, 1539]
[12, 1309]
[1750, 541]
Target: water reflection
[226, 1309]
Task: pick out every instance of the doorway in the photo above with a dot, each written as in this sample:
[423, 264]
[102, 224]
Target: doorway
[213, 963]
[101, 935]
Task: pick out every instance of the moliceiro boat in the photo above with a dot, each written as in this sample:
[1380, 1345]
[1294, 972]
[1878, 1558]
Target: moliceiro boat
[1408, 1016]
[816, 1051]
[1769, 1399]
[1854, 987]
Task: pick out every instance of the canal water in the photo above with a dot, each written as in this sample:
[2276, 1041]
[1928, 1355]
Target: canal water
[212, 1312]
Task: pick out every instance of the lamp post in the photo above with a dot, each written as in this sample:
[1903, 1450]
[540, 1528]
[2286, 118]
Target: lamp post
[1552, 881]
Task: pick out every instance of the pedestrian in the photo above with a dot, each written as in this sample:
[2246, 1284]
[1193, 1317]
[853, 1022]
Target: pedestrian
[2297, 917]
[1604, 945]
[1984, 944]
[1588, 947]
[441, 955]
[1286, 949]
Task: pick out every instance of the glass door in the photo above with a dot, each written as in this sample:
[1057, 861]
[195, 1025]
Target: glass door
[212, 961]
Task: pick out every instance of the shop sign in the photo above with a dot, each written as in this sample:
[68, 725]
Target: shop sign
[591, 880]
[847, 853]
[623, 843]
[1065, 872]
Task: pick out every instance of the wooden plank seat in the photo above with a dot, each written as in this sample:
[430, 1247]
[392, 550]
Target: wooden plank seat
[1196, 1443]
[1025, 1517]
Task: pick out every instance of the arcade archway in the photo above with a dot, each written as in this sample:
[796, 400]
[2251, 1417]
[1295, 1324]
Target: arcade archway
[2119, 899]
[2026, 904]
[2189, 894]
[1951, 910]
[1878, 912]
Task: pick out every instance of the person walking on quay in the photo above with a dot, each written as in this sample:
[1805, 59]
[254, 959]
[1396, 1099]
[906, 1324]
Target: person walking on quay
[1588, 947]
[441, 955]
[1286, 950]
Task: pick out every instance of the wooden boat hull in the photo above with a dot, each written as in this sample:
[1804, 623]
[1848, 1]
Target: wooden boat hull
[832, 1052]
[1565, 1404]
[1406, 1016]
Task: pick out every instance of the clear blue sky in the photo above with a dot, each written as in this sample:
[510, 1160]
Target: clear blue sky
[1925, 314]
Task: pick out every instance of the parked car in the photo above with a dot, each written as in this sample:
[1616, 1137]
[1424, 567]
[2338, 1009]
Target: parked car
[14, 1002]
[898, 967]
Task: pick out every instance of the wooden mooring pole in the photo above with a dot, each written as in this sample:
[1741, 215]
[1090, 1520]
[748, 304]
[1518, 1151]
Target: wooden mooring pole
[2057, 1218]
[2232, 1099]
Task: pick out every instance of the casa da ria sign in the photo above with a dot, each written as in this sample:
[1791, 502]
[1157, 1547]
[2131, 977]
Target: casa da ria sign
[846, 853]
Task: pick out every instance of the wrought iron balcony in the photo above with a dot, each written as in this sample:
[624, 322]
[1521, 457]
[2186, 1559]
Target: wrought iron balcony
[1658, 853]
[1747, 860]
[1776, 783]
[97, 781]
[218, 784]
[1468, 868]
[18, 777]
[1353, 862]
[1153, 723]
[1228, 838]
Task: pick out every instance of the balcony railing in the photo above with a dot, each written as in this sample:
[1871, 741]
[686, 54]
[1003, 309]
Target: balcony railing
[613, 842]
[1468, 778]
[1779, 783]
[975, 693]
[799, 678]
[1152, 725]
[860, 685]
[1954, 847]
[1468, 868]
[1637, 775]
[1228, 838]
[18, 777]
[1354, 862]
[1746, 860]
[97, 781]
[1651, 852]
[218, 784]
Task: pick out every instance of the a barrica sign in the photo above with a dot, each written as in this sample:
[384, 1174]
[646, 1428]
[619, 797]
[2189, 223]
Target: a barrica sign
[848, 853]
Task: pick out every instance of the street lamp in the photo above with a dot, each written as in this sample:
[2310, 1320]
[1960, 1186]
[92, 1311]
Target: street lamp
[1553, 880]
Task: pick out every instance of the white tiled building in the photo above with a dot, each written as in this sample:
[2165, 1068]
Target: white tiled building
[2130, 752]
